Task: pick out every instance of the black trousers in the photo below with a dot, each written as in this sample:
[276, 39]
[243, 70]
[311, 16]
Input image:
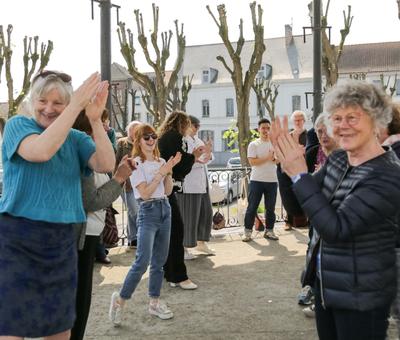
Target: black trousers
[86, 258]
[175, 268]
[344, 324]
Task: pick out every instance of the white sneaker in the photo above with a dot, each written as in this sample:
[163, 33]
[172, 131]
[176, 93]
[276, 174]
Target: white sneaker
[187, 285]
[247, 235]
[204, 248]
[115, 311]
[188, 255]
[160, 310]
[309, 311]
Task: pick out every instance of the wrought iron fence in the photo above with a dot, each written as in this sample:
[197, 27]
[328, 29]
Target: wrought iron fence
[233, 183]
[228, 188]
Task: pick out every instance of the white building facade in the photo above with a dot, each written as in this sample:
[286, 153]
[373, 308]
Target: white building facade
[287, 61]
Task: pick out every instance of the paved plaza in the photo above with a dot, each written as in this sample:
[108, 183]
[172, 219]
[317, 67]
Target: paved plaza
[246, 291]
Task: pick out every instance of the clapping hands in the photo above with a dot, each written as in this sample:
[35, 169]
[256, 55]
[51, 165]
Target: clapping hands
[167, 167]
[206, 156]
[288, 151]
[92, 96]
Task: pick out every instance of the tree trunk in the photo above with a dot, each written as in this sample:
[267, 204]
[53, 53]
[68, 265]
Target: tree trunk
[243, 124]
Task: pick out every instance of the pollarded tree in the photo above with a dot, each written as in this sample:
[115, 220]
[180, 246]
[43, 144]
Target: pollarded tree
[391, 90]
[157, 88]
[121, 111]
[331, 54]
[178, 97]
[266, 92]
[242, 80]
[30, 59]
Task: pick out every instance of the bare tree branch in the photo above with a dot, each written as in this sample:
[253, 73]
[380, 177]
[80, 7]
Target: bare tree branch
[30, 59]
[157, 89]
[242, 83]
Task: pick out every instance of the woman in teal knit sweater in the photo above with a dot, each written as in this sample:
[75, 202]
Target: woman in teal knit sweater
[43, 159]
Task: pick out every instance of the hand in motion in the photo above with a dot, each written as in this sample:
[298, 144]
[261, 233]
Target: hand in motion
[97, 104]
[197, 152]
[206, 156]
[84, 93]
[167, 167]
[124, 170]
[287, 150]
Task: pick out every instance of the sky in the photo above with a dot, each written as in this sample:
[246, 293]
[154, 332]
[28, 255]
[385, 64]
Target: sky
[76, 36]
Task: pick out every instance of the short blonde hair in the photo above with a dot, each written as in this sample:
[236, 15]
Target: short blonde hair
[43, 85]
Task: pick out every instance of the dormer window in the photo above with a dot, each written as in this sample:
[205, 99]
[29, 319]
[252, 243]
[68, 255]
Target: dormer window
[209, 76]
[265, 72]
[206, 77]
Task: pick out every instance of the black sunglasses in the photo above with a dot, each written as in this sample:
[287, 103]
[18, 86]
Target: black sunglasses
[150, 135]
[66, 78]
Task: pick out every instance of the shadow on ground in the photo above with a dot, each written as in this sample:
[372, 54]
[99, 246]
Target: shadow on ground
[247, 291]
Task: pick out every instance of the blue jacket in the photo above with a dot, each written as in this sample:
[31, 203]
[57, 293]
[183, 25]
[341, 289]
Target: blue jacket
[354, 211]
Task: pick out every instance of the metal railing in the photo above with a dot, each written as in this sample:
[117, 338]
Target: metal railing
[234, 183]
[231, 201]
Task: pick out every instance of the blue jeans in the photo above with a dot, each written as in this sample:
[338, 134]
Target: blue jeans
[154, 228]
[132, 208]
[256, 190]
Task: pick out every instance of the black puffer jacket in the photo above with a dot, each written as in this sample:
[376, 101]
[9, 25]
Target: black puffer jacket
[355, 213]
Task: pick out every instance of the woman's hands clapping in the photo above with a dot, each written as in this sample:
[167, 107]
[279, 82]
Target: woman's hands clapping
[288, 151]
[92, 96]
[96, 105]
[167, 167]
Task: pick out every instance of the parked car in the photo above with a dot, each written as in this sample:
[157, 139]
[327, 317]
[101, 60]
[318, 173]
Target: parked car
[224, 186]
[234, 162]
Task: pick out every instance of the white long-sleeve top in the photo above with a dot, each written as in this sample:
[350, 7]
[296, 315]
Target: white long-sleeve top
[196, 180]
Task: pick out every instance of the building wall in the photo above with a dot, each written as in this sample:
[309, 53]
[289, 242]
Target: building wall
[218, 122]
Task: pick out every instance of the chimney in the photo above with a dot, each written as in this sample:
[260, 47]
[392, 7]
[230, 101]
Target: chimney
[288, 35]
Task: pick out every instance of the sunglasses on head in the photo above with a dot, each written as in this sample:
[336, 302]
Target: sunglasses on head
[147, 137]
[66, 78]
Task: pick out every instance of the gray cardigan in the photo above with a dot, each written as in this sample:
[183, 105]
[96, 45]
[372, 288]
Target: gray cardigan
[95, 199]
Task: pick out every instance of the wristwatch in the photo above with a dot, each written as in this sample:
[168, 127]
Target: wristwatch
[297, 177]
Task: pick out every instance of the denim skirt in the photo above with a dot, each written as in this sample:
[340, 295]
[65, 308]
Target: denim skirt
[38, 277]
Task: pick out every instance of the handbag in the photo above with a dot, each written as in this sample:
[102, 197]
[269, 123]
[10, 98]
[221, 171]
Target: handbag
[219, 221]
[242, 201]
[216, 193]
[110, 232]
[259, 223]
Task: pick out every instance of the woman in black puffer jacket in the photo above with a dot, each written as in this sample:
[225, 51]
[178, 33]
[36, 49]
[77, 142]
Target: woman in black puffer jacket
[352, 204]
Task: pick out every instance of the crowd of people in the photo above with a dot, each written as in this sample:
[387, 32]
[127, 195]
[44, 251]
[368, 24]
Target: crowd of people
[63, 167]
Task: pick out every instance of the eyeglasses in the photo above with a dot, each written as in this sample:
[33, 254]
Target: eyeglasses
[150, 135]
[66, 78]
[351, 119]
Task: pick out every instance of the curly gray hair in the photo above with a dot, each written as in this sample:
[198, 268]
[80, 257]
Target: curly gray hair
[371, 99]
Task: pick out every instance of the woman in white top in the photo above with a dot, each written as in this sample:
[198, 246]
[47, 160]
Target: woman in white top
[151, 182]
[194, 201]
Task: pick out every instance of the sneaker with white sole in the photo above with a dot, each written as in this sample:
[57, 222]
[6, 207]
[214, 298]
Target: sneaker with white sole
[306, 296]
[270, 235]
[186, 285]
[188, 255]
[247, 235]
[309, 311]
[160, 310]
[115, 311]
[204, 248]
